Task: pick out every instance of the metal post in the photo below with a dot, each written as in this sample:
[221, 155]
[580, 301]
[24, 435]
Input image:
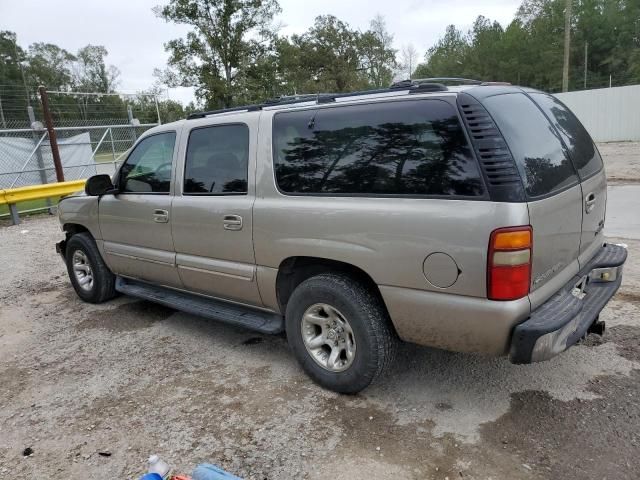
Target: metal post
[155, 97]
[133, 128]
[567, 45]
[15, 217]
[4, 123]
[586, 51]
[36, 138]
[53, 141]
[113, 148]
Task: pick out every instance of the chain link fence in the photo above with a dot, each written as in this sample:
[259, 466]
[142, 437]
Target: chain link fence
[87, 144]
[26, 157]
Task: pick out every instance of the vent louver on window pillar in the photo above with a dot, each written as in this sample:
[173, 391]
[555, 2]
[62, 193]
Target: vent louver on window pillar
[496, 161]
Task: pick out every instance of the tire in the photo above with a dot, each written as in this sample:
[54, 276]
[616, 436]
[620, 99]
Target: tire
[360, 325]
[82, 251]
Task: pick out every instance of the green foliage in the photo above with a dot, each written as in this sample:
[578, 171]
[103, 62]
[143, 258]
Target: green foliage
[529, 51]
[378, 57]
[92, 73]
[227, 35]
[447, 57]
[21, 72]
[143, 107]
[13, 100]
[233, 55]
[327, 57]
[11, 55]
[50, 65]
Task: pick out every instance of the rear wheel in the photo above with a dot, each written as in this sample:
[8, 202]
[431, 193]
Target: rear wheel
[90, 276]
[340, 332]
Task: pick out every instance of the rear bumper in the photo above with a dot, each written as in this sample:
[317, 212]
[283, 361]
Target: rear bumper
[567, 316]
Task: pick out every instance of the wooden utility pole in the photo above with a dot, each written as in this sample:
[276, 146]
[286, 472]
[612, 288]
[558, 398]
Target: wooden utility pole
[53, 140]
[567, 45]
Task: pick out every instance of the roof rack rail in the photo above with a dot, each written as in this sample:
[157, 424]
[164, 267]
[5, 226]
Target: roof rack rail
[458, 81]
[453, 80]
[248, 108]
[283, 100]
[321, 98]
[418, 86]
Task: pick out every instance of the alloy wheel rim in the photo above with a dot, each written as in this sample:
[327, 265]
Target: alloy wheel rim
[328, 337]
[82, 270]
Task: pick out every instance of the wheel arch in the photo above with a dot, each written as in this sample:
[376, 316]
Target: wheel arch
[70, 229]
[292, 271]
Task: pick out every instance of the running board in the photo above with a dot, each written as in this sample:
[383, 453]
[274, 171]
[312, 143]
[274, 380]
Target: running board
[230, 313]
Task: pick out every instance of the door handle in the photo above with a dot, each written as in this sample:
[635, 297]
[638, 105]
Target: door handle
[589, 202]
[160, 216]
[232, 222]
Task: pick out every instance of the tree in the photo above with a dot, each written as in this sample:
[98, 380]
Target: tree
[91, 73]
[13, 96]
[486, 43]
[530, 49]
[144, 109]
[378, 56]
[447, 57]
[408, 60]
[227, 37]
[11, 55]
[50, 65]
[328, 54]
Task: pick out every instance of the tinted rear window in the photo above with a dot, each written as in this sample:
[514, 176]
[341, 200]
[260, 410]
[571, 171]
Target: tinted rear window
[582, 151]
[534, 144]
[414, 148]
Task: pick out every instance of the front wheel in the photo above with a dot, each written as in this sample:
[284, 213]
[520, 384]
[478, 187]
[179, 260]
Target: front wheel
[340, 332]
[90, 276]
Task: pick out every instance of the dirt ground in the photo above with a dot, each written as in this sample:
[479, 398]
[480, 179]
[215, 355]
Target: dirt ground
[622, 161]
[93, 390]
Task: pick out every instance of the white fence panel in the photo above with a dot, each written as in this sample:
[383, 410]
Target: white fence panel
[609, 114]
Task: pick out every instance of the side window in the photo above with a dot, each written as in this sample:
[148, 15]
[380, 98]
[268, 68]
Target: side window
[534, 143]
[217, 160]
[148, 167]
[406, 148]
[582, 151]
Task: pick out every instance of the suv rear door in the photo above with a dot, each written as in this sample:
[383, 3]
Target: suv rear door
[552, 187]
[588, 163]
[213, 209]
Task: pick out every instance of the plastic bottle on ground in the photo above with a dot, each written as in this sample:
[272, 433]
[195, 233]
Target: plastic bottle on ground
[156, 465]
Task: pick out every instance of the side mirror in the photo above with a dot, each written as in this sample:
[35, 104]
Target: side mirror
[99, 185]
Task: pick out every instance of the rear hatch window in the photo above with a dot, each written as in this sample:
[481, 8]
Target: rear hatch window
[583, 152]
[535, 146]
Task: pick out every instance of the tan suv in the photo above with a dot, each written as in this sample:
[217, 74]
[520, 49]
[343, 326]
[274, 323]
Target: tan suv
[467, 218]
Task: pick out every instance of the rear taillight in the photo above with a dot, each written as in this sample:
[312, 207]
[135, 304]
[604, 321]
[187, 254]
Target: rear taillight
[509, 263]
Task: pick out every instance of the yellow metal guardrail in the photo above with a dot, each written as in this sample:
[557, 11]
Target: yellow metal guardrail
[11, 196]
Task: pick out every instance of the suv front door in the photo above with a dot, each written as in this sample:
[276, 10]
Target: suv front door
[212, 212]
[136, 222]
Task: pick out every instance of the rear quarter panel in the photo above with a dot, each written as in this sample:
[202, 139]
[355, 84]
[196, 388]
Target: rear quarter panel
[388, 238]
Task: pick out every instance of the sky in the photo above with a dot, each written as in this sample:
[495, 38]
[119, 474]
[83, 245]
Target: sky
[135, 37]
